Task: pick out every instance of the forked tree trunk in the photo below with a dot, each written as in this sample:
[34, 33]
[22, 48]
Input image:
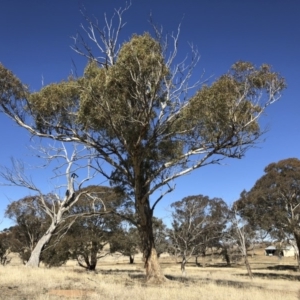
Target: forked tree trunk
[90, 261]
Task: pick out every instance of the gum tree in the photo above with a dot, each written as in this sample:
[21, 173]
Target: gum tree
[135, 108]
[55, 208]
[273, 203]
[197, 221]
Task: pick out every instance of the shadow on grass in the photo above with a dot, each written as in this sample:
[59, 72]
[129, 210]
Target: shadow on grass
[215, 265]
[274, 276]
[283, 268]
[117, 271]
[223, 282]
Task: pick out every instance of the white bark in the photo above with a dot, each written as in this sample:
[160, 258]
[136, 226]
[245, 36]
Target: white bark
[56, 212]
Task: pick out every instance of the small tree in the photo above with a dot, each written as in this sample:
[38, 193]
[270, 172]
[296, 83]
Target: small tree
[240, 231]
[194, 225]
[126, 241]
[31, 224]
[160, 236]
[4, 248]
[135, 107]
[89, 236]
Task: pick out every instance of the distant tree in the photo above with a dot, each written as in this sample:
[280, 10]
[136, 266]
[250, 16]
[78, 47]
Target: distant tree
[126, 241]
[273, 202]
[197, 221]
[31, 222]
[241, 233]
[136, 108]
[160, 236]
[5, 247]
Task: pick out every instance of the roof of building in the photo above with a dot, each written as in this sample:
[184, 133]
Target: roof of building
[270, 248]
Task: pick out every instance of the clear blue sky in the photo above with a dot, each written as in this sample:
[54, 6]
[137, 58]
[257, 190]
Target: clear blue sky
[35, 42]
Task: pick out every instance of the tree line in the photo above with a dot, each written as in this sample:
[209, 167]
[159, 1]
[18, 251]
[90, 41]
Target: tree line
[199, 224]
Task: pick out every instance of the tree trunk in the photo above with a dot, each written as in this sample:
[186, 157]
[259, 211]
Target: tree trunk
[131, 259]
[182, 267]
[92, 267]
[227, 258]
[226, 255]
[153, 270]
[248, 267]
[203, 259]
[34, 259]
[93, 261]
[197, 263]
[297, 240]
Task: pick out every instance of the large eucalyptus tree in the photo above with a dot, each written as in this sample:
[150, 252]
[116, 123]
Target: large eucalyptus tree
[134, 106]
[273, 203]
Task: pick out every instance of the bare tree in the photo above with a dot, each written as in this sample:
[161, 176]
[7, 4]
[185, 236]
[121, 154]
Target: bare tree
[240, 231]
[52, 205]
[195, 224]
[136, 108]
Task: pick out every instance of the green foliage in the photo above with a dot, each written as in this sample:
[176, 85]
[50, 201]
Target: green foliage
[86, 236]
[224, 113]
[52, 106]
[11, 88]
[56, 253]
[198, 223]
[31, 224]
[273, 202]
[126, 242]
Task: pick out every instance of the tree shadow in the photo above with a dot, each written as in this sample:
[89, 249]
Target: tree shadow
[223, 282]
[283, 268]
[215, 265]
[274, 276]
[117, 271]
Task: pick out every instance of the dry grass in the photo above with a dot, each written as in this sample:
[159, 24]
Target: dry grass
[123, 281]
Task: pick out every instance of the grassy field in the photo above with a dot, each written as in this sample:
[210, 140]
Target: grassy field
[117, 279]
